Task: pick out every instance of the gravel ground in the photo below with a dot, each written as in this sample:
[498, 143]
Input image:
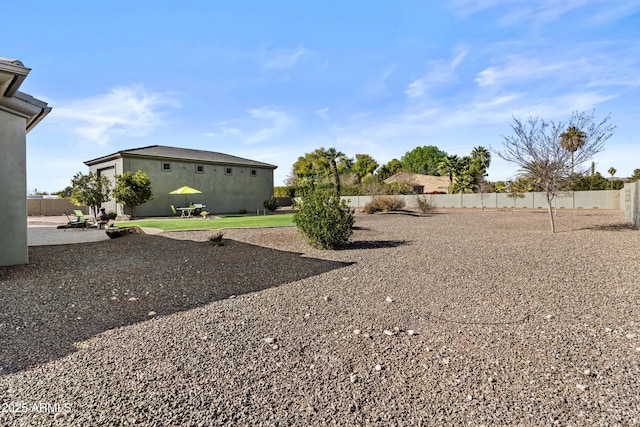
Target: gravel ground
[462, 317]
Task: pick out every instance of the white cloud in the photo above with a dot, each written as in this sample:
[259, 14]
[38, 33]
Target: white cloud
[264, 124]
[419, 87]
[323, 113]
[281, 59]
[378, 86]
[604, 68]
[538, 13]
[517, 68]
[457, 60]
[131, 111]
[278, 123]
[440, 72]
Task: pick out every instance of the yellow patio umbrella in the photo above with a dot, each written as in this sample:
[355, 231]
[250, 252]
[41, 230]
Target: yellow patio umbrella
[185, 190]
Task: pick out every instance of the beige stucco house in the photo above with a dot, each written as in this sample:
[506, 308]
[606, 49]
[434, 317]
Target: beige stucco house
[19, 113]
[229, 184]
[422, 184]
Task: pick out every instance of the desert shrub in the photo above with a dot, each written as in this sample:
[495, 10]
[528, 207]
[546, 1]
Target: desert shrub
[325, 220]
[271, 204]
[370, 208]
[384, 204]
[216, 239]
[425, 204]
[400, 187]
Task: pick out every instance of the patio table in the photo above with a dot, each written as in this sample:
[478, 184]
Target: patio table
[186, 212]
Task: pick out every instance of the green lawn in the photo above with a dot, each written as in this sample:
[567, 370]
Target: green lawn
[168, 224]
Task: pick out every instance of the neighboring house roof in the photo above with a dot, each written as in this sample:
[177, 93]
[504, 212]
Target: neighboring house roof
[164, 152]
[12, 74]
[429, 183]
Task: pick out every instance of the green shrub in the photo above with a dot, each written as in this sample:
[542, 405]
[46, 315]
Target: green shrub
[284, 191]
[425, 205]
[324, 219]
[271, 204]
[383, 204]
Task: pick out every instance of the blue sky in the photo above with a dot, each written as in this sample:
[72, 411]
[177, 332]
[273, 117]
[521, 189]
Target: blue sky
[273, 80]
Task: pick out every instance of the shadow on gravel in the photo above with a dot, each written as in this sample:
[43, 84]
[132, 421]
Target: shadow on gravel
[405, 212]
[374, 244]
[69, 293]
[623, 226]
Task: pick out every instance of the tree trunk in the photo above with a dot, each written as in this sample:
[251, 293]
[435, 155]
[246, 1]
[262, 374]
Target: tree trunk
[551, 216]
[336, 175]
[572, 163]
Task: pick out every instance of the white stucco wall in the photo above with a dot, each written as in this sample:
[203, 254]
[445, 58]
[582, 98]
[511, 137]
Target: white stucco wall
[13, 181]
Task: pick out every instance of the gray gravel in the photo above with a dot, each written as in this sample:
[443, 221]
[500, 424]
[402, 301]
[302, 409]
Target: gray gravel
[461, 317]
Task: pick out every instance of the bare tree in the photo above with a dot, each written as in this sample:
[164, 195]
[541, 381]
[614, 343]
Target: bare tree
[536, 146]
[514, 192]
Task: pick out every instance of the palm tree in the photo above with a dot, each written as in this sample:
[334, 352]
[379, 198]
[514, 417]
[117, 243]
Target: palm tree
[483, 155]
[612, 171]
[572, 140]
[463, 184]
[332, 155]
[449, 166]
[480, 161]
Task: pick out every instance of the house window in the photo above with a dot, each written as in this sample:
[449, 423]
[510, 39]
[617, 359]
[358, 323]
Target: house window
[228, 171]
[199, 168]
[254, 172]
[166, 167]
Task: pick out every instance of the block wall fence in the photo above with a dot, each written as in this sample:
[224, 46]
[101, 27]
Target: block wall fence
[626, 199]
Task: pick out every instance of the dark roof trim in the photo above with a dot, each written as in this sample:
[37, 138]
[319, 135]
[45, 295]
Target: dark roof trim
[175, 153]
[13, 73]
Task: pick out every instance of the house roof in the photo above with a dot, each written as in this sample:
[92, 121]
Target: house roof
[176, 153]
[12, 74]
[429, 182]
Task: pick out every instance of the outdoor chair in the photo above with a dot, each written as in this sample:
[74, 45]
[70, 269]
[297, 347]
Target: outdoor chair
[78, 222]
[173, 209]
[81, 218]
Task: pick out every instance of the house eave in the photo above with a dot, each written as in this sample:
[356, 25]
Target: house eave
[12, 74]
